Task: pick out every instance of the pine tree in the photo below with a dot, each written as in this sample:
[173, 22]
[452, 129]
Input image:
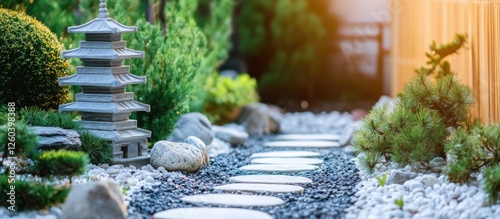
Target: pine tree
[415, 131]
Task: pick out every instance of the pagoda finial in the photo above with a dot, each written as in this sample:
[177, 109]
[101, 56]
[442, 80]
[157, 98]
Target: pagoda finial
[103, 11]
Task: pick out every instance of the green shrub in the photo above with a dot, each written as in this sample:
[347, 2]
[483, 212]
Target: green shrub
[415, 131]
[171, 63]
[30, 56]
[35, 116]
[226, 94]
[31, 195]
[472, 150]
[98, 149]
[61, 163]
[492, 183]
[20, 138]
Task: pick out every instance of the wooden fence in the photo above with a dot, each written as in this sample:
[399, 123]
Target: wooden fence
[416, 23]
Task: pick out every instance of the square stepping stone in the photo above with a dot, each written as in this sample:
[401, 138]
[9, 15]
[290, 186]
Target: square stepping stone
[233, 200]
[279, 167]
[271, 179]
[302, 144]
[293, 160]
[307, 137]
[285, 154]
[252, 187]
[204, 213]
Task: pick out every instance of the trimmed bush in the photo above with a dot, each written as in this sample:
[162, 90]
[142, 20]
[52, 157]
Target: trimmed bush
[61, 163]
[227, 94]
[30, 56]
[31, 195]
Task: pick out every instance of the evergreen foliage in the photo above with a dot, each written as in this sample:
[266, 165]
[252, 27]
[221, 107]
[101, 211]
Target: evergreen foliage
[30, 56]
[415, 131]
[98, 149]
[227, 94]
[492, 183]
[472, 150]
[61, 163]
[24, 141]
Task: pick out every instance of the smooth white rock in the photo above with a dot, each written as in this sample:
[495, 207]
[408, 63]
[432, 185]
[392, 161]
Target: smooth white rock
[271, 179]
[285, 154]
[253, 187]
[278, 167]
[233, 200]
[307, 137]
[310, 161]
[302, 144]
[204, 213]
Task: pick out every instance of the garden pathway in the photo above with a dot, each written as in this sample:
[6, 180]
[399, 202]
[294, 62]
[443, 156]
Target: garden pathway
[281, 162]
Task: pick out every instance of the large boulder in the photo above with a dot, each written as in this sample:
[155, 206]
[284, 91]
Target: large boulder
[96, 200]
[260, 119]
[230, 135]
[54, 138]
[177, 156]
[192, 124]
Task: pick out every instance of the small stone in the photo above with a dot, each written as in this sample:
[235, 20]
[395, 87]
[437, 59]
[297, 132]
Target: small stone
[260, 119]
[233, 200]
[400, 177]
[56, 211]
[429, 180]
[192, 140]
[99, 200]
[175, 156]
[233, 136]
[203, 213]
[192, 124]
[150, 179]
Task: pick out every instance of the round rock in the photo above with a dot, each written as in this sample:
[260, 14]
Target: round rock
[310, 161]
[251, 187]
[233, 200]
[285, 154]
[307, 137]
[272, 179]
[303, 144]
[203, 213]
[279, 167]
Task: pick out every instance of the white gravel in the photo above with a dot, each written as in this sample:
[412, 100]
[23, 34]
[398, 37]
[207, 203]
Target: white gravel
[427, 196]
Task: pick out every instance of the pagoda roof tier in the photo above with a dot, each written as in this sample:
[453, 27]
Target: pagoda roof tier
[103, 70]
[104, 98]
[102, 80]
[102, 24]
[123, 136]
[102, 53]
[96, 107]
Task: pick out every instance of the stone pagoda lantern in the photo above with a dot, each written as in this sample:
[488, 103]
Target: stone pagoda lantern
[104, 105]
